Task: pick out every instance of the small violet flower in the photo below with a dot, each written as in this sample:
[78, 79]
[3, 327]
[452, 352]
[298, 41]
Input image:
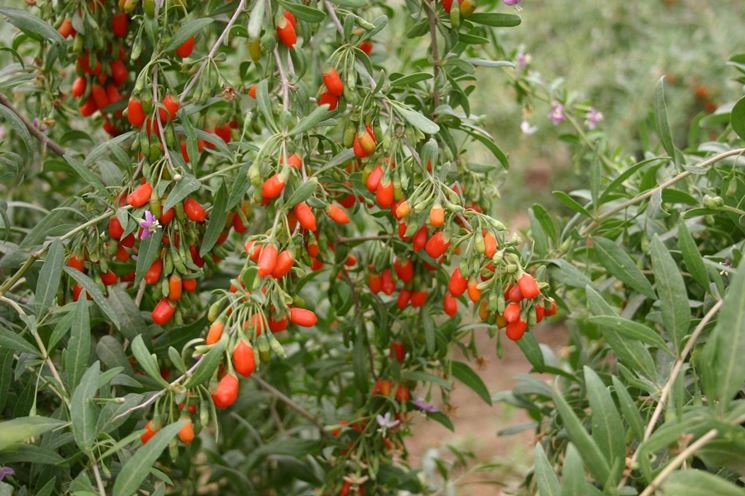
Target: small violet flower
[424, 406]
[557, 114]
[526, 128]
[512, 2]
[593, 118]
[149, 225]
[386, 421]
[6, 472]
[523, 59]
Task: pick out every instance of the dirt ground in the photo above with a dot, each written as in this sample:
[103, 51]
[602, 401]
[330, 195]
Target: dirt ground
[477, 424]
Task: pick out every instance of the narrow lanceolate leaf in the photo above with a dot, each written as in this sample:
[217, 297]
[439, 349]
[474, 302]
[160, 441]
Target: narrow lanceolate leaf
[727, 368]
[674, 306]
[628, 408]
[149, 250]
[691, 256]
[630, 329]
[49, 276]
[596, 462]
[186, 186]
[186, 30]
[737, 118]
[16, 124]
[698, 483]
[77, 354]
[215, 225]
[31, 25]
[546, 480]
[614, 258]
[83, 411]
[9, 340]
[467, 376]
[146, 360]
[417, 120]
[138, 467]
[91, 288]
[607, 428]
[207, 366]
[19, 429]
[573, 473]
[660, 111]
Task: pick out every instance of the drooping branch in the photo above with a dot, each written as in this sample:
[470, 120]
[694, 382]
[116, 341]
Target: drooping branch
[35, 131]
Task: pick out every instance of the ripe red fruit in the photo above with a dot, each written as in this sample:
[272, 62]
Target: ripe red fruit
[303, 317]
[333, 82]
[291, 18]
[418, 298]
[420, 238]
[108, 278]
[539, 313]
[115, 228]
[436, 245]
[174, 287]
[327, 98]
[490, 244]
[76, 263]
[305, 216]
[367, 47]
[78, 86]
[404, 270]
[397, 351]
[528, 286]
[513, 294]
[278, 325]
[171, 108]
[286, 33]
[194, 211]
[337, 214]
[89, 107]
[375, 282]
[474, 293]
[437, 216]
[163, 312]
[515, 330]
[150, 431]
[384, 193]
[215, 331]
[186, 434]
[119, 25]
[119, 72]
[267, 260]
[167, 216]
[387, 283]
[185, 49]
[243, 358]
[285, 260]
[135, 113]
[273, 186]
[113, 93]
[152, 275]
[457, 284]
[65, 29]
[189, 285]
[403, 299]
[551, 310]
[402, 393]
[373, 180]
[99, 96]
[450, 304]
[140, 196]
[512, 312]
[226, 392]
[364, 143]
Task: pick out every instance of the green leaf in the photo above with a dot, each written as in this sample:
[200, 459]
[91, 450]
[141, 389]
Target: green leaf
[568, 274]
[545, 476]
[607, 428]
[410, 79]
[691, 256]
[660, 113]
[77, 354]
[628, 408]
[630, 329]
[417, 120]
[31, 25]
[186, 186]
[20, 429]
[614, 258]
[186, 30]
[304, 12]
[727, 343]
[149, 250]
[255, 20]
[83, 410]
[532, 351]
[495, 19]
[138, 466]
[207, 365]
[127, 312]
[12, 341]
[91, 288]
[737, 118]
[6, 375]
[465, 374]
[698, 483]
[17, 124]
[618, 181]
[146, 360]
[485, 139]
[596, 462]
[111, 353]
[311, 120]
[99, 151]
[674, 305]
[265, 103]
[216, 224]
[302, 192]
[441, 419]
[85, 174]
[573, 474]
[571, 203]
[49, 275]
[421, 376]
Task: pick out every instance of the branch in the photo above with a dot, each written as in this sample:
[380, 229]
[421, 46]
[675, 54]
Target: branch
[334, 17]
[666, 184]
[99, 481]
[288, 401]
[381, 237]
[285, 82]
[678, 461]
[45, 140]
[435, 53]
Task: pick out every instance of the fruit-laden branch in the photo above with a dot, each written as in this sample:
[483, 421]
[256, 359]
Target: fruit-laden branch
[35, 131]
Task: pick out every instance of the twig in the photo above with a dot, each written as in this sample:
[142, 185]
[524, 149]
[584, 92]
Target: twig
[161, 134]
[213, 51]
[678, 461]
[435, 52]
[334, 17]
[99, 481]
[381, 237]
[285, 82]
[140, 293]
[36, 132]
[288, 401]
[666, 184]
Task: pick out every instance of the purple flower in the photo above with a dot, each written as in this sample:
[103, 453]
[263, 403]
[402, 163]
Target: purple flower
[523, 59]
[593, 118]
[149, 225]
[512, 2]
[557, 114]
[6, 472]
[386, 421]
[424, 406]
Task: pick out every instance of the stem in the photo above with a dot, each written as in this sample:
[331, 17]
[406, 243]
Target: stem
[99, 481]
[46, 141]
[381, 237]
[435, 53]
[213, 51]
[678, 461]
[666, 184]
[334, 17]
[284, 81]
[288, 401]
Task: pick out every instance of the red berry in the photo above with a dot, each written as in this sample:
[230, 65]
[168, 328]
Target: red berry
[135, 113]
[163, 312]
[267, 260]
[185, 49]
[303, 317]
[119, 25]
[226, 392]
[243, 359]
[194, 211]
[528, 286]
[457, 284]
[140, 196]
[333, 82]
[78, 86]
